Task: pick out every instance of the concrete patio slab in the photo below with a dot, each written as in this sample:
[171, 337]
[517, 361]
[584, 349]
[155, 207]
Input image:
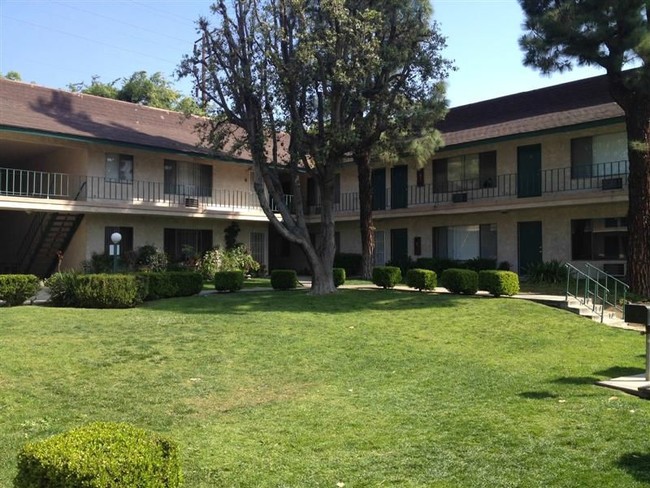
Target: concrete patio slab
[634, 385]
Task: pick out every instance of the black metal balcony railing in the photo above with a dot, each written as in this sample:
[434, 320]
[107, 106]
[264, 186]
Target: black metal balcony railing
[39, 184]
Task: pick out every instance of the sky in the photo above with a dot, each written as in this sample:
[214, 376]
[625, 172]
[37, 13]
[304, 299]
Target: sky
[57, 42]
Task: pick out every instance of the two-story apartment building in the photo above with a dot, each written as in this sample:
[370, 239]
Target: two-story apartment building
[528, 177]
[533, 176]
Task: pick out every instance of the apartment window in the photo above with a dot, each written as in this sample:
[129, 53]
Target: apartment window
[598, 156]
[126, 244]
[468, 172]
[417, 246]
[380, 248]
[189, 179]
[598, 239]
[258, 246]
[465, 242]
[119, 167]
[178, 242]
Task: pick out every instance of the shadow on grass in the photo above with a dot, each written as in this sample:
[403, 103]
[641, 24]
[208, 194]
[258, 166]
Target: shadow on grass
[616, 371]
[297, 301]
[538, 395]
[637, 464]
[576, 380]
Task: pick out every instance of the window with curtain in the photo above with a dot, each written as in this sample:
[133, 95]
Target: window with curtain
[467, 172]
[463, 242]
[119, 167]
[380, 252]
[186, 178]
[598, 156]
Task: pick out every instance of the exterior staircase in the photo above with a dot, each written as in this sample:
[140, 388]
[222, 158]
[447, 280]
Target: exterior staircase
[48, 233]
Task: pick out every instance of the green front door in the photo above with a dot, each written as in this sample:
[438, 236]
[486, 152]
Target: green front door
[399, 191]
[399, 246]
[529, 237]
[379, 189]
[529, 171]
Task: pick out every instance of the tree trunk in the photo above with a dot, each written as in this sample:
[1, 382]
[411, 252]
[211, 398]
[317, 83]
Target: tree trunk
[638, 218]
[322, 267]
[365, 214]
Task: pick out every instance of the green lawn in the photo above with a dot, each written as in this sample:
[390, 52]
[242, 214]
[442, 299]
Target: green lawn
[366, 388]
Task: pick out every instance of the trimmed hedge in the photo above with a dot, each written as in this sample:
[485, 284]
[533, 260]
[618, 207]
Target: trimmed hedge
[229, 280]
[16, 288]
[187, 283]
[386, 276]
[463, 281]
[421, 279]
[95, 290]
[339, 276]
[498, 283]
[284, 279]
[100, 455]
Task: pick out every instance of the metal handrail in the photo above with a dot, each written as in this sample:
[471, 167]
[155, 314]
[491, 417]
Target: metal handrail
[590, 291]
[618, 284]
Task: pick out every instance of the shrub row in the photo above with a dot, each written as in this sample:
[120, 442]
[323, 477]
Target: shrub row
[170, 284]
[350, 262]
[96, 290]
[101, 455]
[120, 290]
[498, 283]
[284, 279]
[16, 288]
[463, 281]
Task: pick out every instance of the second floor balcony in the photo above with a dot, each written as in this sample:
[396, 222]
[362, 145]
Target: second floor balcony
[503, 189]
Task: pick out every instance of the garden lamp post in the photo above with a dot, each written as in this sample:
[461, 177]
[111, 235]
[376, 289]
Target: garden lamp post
[116, 238]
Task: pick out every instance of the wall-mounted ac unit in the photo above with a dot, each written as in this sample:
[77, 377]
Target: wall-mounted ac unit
[615, 269]
[612, 183]
[459, 197]
[191, 202]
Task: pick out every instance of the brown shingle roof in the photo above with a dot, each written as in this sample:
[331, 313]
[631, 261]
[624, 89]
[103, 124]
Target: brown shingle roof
[36, 108]
[564, 105]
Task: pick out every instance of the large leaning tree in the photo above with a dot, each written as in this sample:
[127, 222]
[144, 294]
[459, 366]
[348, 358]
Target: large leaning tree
[403, 98]
[279, 76]
[613, 34]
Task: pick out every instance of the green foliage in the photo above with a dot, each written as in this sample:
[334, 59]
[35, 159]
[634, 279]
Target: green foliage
[350, 262]
[12, 75]
[187, 283]
[99, 263]
[553, 271]
[440, 264]
[62, 288]
[421, 279]
[457, 281]
[161, 285]
[230, 234]
[95, 290]
[339, 276]
[284, 279]
[150, 258]
[15, 289]
[229, 280]
[100, 455]
[106, 291]
[386, 276]
[479, 264]
[237, 258]
[498, 283]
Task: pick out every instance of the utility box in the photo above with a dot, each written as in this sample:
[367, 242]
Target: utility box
[636, 313]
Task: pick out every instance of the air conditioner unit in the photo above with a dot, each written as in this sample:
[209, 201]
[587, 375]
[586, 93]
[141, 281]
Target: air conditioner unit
[192, 202]
[459, 197]
[615, 269]
[612, 183]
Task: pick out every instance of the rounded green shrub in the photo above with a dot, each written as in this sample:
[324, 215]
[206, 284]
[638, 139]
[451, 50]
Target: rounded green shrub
[100, 455]
[421, 279]
[284, 279]
[498, 283]
[16, 288]
[386, 276]
[339, 276]
[228, 280]
[463, 281]
[62, 288]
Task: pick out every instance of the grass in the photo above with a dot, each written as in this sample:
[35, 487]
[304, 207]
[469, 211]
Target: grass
[367, 388]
